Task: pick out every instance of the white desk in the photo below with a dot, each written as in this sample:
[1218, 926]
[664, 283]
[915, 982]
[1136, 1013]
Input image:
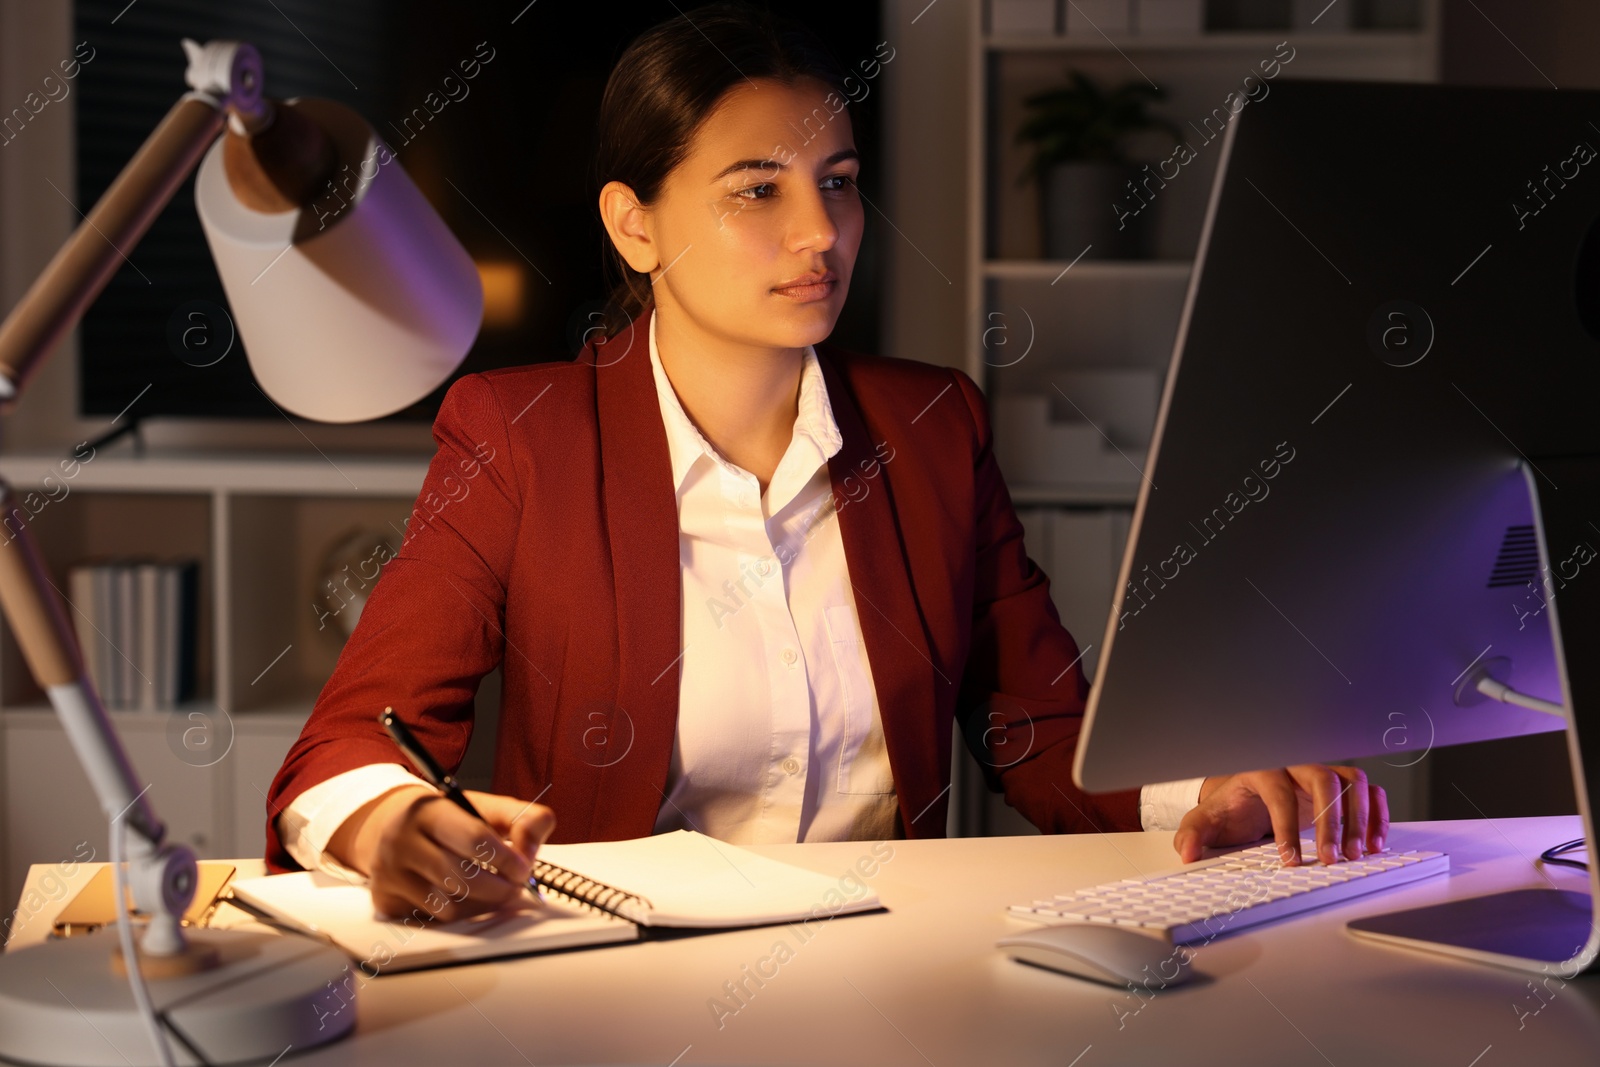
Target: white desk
[923, 984]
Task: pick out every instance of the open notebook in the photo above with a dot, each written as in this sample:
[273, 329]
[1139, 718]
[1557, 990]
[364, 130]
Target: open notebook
[596, 893]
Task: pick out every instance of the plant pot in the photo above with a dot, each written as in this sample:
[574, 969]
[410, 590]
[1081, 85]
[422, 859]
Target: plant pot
[1080, 207]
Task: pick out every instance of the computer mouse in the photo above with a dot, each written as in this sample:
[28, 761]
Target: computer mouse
[1101, 952]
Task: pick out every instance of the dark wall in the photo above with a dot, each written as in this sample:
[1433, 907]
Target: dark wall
[1515, 42]
[508, 164]
[1549, 43]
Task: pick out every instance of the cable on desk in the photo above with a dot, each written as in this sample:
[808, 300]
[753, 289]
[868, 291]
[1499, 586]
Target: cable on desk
[1555, 854]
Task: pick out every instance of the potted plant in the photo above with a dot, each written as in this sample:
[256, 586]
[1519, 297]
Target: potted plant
[1083, 173]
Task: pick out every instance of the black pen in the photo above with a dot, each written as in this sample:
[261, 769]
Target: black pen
[435, 775]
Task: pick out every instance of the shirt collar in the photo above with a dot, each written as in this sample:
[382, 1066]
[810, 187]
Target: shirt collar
[686, 445]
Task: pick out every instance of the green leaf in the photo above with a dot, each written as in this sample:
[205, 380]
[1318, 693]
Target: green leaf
[1083, 121]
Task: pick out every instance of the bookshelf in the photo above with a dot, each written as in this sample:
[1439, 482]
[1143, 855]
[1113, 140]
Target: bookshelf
[260, 526]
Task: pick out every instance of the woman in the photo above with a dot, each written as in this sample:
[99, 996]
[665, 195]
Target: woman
[738, 580]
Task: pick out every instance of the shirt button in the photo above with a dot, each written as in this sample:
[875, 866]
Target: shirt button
[763, 568]
[790, 766]
[789, 656]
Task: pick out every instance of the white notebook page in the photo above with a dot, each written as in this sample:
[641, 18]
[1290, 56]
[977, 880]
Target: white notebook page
[323, 904]
[694, 880]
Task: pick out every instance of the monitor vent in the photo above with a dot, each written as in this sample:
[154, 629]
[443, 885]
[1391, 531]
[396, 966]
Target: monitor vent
[1518, 561]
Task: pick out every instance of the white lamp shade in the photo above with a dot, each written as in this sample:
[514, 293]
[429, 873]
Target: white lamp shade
[352, 309]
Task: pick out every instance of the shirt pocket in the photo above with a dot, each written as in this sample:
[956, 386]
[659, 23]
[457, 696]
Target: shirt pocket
[863, 755]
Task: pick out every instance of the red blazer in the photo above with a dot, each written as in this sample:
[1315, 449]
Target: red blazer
[545, 541]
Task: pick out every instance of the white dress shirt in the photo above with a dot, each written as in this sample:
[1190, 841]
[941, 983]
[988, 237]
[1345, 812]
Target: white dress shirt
[779, 736]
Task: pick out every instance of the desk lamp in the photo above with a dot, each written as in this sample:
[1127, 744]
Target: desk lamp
[355, 300]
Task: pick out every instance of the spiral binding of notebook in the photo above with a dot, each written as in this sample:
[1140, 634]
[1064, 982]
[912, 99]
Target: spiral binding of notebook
[597, 895]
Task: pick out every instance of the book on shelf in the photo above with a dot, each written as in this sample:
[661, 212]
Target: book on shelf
[125, 632]
[136, 620]
[595, 893]
[146, 576]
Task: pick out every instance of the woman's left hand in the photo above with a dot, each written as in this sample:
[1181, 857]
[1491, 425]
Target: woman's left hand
[1351, 815]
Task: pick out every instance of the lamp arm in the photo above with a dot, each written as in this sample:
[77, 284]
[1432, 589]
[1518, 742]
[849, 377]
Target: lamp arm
[225, 78]
[83, 265]
[163, 875]
[48, 645]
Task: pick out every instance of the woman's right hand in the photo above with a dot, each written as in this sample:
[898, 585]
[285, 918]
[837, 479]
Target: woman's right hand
[423, 854]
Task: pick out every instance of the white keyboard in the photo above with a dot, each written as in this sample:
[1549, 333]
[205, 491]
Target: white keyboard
[1231, 892]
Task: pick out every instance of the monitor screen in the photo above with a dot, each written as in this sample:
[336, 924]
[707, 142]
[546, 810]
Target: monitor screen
[1391, 321]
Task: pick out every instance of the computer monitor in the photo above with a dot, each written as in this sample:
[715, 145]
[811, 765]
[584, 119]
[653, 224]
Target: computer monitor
[1376, 471]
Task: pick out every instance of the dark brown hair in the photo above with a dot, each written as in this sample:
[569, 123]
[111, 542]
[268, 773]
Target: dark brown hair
[665, 84]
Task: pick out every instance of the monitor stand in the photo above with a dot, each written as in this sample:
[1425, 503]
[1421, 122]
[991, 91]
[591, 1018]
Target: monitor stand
[1541, 930]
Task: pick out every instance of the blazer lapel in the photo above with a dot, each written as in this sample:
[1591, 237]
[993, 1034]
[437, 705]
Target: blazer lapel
[641, 518]
[891, 622]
